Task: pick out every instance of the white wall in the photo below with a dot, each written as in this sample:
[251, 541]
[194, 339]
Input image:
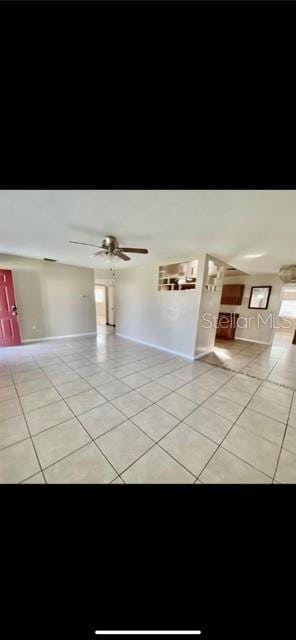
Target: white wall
[104, 276]
[53, 299]
[165, 319]
[252, 330]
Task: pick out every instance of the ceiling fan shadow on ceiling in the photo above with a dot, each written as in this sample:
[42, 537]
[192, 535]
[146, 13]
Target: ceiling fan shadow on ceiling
[110, 247]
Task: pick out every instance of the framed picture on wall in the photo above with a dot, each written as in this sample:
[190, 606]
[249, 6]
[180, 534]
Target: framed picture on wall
[259, 297]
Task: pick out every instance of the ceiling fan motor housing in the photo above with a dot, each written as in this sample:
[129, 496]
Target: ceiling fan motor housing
[110, 244]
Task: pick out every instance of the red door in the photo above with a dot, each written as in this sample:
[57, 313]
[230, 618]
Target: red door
[9, 327]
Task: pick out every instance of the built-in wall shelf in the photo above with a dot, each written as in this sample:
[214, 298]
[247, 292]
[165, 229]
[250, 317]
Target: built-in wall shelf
[181, 276]
[214, 275]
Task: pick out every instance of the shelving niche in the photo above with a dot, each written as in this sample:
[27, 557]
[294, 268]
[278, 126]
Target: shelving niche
[181, 276]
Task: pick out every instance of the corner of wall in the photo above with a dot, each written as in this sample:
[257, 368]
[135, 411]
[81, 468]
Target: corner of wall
[208, 304]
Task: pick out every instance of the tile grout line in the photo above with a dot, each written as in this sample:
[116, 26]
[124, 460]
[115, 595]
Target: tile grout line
[151, 403]
[281, 446]
[92, 440]
[230, 429]
[32, 441]
[95, 440]
[180, 421]
[174, 427]
[283, 440]
[235, 422]
[127, 419]
[30, 436]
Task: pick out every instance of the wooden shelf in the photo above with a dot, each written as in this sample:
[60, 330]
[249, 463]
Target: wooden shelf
[173, 279]
[188, 285]
[177, 287]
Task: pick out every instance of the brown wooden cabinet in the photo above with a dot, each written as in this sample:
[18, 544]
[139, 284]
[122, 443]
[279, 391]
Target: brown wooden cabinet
[232, 294]
[226, 326]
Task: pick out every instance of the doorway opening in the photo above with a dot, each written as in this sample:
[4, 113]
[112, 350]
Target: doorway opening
[105, 303]
[101, 304]
[284, 334]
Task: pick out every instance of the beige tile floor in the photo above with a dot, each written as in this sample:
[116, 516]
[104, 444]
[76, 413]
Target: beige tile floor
[107, 410]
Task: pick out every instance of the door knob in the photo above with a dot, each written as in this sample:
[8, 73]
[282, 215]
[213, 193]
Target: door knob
[14, 309]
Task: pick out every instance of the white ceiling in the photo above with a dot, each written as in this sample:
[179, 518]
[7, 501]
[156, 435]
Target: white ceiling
[254, 231]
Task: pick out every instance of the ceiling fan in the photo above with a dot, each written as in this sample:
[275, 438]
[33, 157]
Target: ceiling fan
[110, 247]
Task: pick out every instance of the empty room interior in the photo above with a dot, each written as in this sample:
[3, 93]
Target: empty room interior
[147, 337]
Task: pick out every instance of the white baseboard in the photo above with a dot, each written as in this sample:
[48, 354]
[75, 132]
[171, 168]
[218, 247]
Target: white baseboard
[205, 353]
[70, 335]
[248, 340]
[155, 346]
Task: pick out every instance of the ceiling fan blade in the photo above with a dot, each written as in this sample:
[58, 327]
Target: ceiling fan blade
[122, 255]
[85, 243]
[132, 250]
[97, 253]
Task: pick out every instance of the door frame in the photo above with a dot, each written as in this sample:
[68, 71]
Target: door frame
[108, 300]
